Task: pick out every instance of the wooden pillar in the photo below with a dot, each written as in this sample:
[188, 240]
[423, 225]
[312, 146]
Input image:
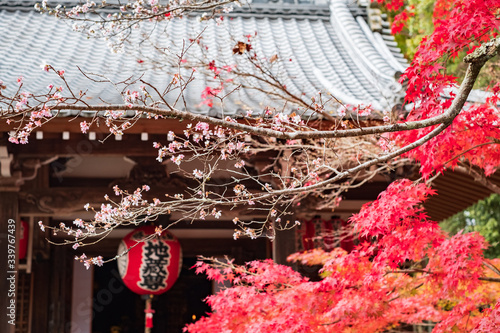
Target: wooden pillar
[40, 300]
[81, 298]
[42, 270]
[283, 246]
[284, 241]
[9, 221]
[60, 289]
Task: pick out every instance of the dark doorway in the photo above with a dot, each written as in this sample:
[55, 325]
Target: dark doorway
[118, 310]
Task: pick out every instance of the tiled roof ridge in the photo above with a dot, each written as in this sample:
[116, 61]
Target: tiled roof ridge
[284, 10]
[269, 9]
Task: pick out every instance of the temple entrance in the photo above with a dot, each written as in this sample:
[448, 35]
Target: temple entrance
[118, 310]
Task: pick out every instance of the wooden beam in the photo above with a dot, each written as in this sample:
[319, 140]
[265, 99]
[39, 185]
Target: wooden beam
[191, 247]
[51, 201]
[283, 245]
[80, 145]
[68, 202]
[144, 125]
[72, 125]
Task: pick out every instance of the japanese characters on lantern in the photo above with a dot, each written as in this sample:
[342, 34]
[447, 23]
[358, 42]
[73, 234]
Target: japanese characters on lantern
[151, 266]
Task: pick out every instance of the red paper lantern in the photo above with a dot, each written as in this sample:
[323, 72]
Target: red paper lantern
[152, 266]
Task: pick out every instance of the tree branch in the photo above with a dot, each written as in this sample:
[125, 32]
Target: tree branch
[480, 178]
[476, 61]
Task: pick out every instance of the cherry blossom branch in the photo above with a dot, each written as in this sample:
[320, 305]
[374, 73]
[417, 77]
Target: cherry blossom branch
[226, 139]
[272, 195]
[186, 115]
[476, 61]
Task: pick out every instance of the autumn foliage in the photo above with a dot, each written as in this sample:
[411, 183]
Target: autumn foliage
[459, 26]
[404, 270]
[410, 271]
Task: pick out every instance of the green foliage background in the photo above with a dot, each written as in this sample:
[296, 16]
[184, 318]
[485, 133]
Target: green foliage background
[418, 26]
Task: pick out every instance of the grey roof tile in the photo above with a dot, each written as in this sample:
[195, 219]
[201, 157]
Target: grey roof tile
[335, 54]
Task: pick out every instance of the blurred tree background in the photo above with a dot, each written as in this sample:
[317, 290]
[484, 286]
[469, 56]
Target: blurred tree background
[483, 217]
[420, 23]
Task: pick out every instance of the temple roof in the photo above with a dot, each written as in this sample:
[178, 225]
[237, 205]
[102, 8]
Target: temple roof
[321, 47]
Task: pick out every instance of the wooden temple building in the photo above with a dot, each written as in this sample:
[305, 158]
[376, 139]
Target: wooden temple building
[339, 46]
